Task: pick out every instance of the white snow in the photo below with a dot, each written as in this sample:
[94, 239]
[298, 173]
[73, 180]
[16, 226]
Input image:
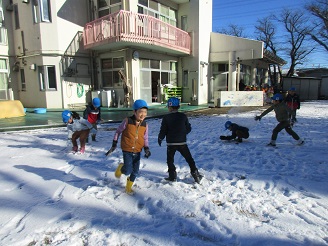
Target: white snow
[252, 194]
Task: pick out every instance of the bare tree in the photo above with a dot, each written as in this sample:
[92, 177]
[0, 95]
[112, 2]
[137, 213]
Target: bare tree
[233, 30]
[319, 33]
[265, 30]
[295, 24]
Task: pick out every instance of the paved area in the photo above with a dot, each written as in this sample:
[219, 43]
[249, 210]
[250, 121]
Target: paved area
[52, 118]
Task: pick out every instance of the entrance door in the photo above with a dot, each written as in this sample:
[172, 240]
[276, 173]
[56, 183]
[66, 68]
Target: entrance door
[155, 86]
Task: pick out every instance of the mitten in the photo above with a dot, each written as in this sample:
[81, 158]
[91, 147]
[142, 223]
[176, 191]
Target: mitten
[257, 117]
[147, 152]
[223, 137]
[111, 150]
[159, 141]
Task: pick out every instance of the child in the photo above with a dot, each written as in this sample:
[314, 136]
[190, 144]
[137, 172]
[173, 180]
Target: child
[293, 102]
[79, 127]
[282, 114]
[175, 127]
[237, 131]
[134, 132]
[93, 115]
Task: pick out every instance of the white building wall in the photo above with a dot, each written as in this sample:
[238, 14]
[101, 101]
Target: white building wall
[199, 25]
[45, 44]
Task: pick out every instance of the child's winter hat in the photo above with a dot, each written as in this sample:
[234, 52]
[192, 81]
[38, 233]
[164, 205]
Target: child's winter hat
[277, 97]
[66, 115]
[96, 102]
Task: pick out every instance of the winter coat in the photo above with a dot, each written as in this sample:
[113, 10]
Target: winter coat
[235, 128]
[79, 125]
[92, 114]
[282, 111]
[175, 127]
[134, 136]
[293, 101]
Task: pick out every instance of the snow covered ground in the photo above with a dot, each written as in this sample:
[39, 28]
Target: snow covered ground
[252, 194]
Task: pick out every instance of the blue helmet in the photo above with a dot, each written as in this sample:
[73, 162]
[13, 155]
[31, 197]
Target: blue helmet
[277, 97]
[138, 104]
[96, 102]
[173, 102]
[66, 115]
[227, 124]
[292, 89]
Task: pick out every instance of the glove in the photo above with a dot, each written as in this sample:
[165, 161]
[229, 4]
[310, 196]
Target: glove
[159, 141]
[147, 152]
[223, 137]
[257, 117]
[111, 150]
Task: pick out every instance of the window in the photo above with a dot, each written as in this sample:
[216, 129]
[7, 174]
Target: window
[3, 79]
[245, 74]
[160, 11]
[41, 11]
[23, 83]
[184, 22]
[110, 68]
[106, 7]
[16, 16]
[47, 78]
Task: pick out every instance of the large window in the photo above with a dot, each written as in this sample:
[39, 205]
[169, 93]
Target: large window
[157, 10]
[110, 71]
[41, 11]
[245, 74]
[106, 7]
[47, 78]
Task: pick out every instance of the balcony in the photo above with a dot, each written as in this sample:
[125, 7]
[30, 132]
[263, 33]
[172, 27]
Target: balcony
[127, 29]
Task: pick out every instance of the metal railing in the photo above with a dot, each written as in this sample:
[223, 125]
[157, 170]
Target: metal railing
[124, 26]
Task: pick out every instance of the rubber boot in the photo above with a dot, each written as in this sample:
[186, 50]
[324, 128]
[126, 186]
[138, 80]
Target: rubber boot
[82, 150]
[197, 177]
[93, 137]
[172, 176]
[74, 148]
[128, 188]
[118, 172]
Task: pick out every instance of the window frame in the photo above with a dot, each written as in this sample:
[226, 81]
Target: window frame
[16, 17]
[46, 81]
[110, 68]
[23, 81]
[42, 11]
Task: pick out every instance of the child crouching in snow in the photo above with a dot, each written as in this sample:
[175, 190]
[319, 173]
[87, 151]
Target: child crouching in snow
[79, 128]
[237, 131]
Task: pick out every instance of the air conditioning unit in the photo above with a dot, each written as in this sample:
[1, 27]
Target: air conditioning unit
[26, 1]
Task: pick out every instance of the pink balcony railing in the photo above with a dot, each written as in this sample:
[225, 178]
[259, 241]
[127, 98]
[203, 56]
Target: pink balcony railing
[125, 26]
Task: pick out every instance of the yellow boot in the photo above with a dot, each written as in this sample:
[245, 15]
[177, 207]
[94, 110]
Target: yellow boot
[118, 172]
[128, 188]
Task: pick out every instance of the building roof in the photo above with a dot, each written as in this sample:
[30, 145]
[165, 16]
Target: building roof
[271, 58]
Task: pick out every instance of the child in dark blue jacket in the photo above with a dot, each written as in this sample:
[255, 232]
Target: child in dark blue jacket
[237, 131]
[175, 127]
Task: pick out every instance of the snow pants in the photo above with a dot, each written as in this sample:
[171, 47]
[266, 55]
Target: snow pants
[284, 125]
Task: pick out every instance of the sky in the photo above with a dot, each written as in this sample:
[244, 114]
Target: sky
[251, 194]
[246, 13]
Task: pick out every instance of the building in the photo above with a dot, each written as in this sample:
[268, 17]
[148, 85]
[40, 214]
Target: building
[57, 54]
